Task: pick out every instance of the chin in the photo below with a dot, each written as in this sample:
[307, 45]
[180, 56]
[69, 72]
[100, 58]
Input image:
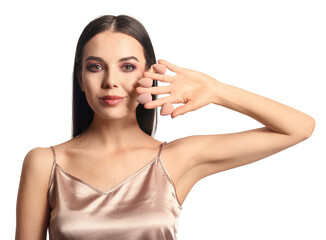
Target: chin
[116, 112]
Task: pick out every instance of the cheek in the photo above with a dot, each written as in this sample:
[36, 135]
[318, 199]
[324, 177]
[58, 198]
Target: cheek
[130, 81]
[92, 82]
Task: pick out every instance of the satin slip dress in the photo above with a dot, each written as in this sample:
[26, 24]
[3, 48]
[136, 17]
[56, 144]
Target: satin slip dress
[143, 206]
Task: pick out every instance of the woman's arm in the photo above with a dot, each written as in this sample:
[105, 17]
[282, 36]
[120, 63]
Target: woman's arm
[32, 213]
[284, 127]
[274, 115]
[207, 154]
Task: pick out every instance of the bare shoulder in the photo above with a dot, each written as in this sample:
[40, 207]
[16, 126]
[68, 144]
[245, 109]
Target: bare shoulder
[36, 168]
[179, 157]
[32, 210]
[38, 162]
[185, 148]
[37, 154]
[182, 153]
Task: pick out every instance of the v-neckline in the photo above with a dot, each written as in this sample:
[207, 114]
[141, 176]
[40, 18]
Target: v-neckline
[119, 184]
[112, 189]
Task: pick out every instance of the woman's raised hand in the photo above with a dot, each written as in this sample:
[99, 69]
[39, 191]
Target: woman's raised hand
[192, 88]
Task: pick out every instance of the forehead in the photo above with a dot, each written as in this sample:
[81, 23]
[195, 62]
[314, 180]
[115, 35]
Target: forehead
[112, 46]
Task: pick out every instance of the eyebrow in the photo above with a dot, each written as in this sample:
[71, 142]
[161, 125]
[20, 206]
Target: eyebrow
[128, 58]
[120, 60]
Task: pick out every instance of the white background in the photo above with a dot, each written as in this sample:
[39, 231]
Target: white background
[272, 48]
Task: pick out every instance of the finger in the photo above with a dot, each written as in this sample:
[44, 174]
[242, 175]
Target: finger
[169, 65]
[189, 106]
[158, 102]
[154, 90]
[160, 77]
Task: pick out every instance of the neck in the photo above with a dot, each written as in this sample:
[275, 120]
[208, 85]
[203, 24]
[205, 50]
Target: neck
[120, 133]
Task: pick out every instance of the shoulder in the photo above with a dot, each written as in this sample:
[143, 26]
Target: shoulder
[181, 153]
[38, 157]
[189, 154]
[32, 211]
[184, 147]
[37, 164]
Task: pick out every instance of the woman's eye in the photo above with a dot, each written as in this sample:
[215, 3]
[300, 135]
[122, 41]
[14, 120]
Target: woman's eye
[128, 67]
[94, 67]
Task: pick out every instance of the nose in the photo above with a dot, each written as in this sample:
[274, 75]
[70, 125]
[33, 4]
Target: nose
[110, 80]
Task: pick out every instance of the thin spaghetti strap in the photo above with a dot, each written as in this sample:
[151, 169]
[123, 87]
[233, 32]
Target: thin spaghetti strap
[54, 155]
[53, 167]
[168, 176]
[159, 153]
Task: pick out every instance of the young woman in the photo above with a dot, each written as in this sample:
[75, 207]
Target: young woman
[113, 180]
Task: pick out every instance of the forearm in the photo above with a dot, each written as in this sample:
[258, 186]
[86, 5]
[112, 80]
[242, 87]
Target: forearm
[274, 115]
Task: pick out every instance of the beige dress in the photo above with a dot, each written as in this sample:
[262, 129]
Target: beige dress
[143, 206]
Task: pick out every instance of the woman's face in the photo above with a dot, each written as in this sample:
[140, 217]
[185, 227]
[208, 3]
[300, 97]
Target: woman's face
[112, 63]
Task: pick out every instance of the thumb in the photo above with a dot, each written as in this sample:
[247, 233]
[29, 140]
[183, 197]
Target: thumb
[189, 106]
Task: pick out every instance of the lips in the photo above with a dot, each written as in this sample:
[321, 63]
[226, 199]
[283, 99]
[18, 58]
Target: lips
[111, 97]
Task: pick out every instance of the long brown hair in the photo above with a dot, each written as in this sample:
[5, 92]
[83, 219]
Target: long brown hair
[82, 113]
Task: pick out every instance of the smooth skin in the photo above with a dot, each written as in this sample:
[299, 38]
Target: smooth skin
[114, 147]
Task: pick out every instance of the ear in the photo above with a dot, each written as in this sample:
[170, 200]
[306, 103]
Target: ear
[79, 77]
